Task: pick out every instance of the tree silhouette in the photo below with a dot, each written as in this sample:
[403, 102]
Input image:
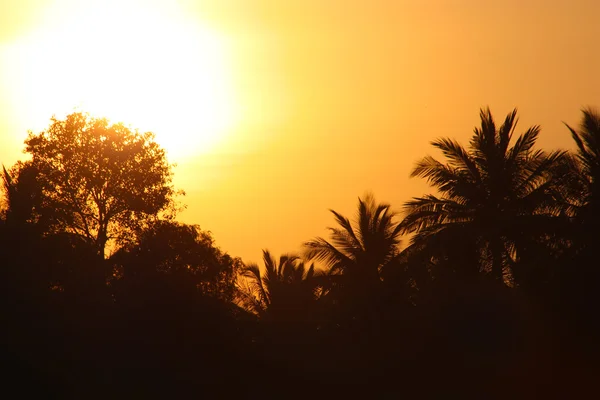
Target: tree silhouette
[170, 310]
[575, 286]
[286, 290]
[585, 200]
[358, 256]
[180, 252]
[102, 181]
[360, 251]
[22, 194]
[22, 233]
[496, 198]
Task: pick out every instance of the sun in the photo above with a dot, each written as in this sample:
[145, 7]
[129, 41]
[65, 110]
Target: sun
[142, 62]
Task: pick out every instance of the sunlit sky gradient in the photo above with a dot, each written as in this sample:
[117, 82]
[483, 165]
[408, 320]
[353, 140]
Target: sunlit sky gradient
[294, 107]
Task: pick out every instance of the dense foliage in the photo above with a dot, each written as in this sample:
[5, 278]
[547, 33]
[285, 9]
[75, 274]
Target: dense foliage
[98, 181]
[494, 286]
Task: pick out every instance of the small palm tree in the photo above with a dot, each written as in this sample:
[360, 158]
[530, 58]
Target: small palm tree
[577, 279]
[286, 289]
[496, 199]
[586, 197]
[360, 252]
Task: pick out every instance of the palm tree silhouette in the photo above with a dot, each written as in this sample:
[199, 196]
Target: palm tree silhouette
[496, 200]
[286, 289]
[585, 199]
[362, 250]
[358, 254]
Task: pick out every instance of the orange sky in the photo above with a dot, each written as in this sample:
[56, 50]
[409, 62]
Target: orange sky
[335, 97]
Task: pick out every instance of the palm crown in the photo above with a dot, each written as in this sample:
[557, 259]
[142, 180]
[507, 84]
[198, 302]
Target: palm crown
[587, 197]
[489, 193]
[285, 288]
[360, 250]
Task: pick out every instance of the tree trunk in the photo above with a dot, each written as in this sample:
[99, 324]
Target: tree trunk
[496, 248]
[101, 243]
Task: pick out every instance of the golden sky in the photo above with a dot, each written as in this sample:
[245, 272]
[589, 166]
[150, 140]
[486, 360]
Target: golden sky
[276, 111]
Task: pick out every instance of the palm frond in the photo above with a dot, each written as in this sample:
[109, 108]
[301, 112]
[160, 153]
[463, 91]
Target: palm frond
[252, 272]
[423, 212]
[590, 127]
[320, 249]
[524, 144]
[458, 157]
[506, 130]
[347, 226]
[536, 170]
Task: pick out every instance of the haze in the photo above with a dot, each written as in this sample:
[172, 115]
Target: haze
[328, 98]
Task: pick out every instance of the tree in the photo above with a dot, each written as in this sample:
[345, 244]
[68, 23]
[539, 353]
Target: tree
[102, 181]
[576, 282]
[585, 199]
[182, 253]
[286, 290]
[21, 239]
[359, 256]
[43, 256]
[496, 200]
[22, 195]
[360, 252]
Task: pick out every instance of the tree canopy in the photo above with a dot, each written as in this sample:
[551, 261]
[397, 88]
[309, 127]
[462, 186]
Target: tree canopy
[495, 197]
[99, 180]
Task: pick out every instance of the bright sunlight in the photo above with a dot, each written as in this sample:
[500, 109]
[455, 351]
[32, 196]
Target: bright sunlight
[142, 62]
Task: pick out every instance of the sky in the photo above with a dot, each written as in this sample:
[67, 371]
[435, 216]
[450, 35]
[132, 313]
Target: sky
[276, 111]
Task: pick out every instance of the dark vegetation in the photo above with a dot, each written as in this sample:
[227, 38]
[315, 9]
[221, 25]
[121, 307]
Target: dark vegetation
[490, 284]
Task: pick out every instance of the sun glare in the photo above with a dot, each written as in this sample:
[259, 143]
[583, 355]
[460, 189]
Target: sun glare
[145, 63]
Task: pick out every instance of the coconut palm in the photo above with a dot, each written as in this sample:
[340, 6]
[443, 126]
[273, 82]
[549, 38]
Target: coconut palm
[495, 199]
[586, 197]
[285, 290]
[364, 249]
[578, 274]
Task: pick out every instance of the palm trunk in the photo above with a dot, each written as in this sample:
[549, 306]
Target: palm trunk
[497, 267]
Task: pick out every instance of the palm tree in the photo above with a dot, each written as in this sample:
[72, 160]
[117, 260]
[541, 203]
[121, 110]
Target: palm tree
[496, 201]
[585, 200]
[286, 289]
[576, 283]
[360, 252]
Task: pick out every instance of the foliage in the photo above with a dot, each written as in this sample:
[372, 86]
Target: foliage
[172, 250]
[495, 198]
[22, 195]
[286, 289]
[169, 308]
[585, 190]
[101, 181]
[361, 250]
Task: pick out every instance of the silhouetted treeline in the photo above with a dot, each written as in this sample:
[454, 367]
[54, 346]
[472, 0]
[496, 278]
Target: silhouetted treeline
[490, 283]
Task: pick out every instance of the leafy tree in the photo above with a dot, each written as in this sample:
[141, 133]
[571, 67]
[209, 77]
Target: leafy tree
[21, 235]
[496, 200]
[43, 257]
[182, 253]
[287, 289]
[102, 181]
[22, 195]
